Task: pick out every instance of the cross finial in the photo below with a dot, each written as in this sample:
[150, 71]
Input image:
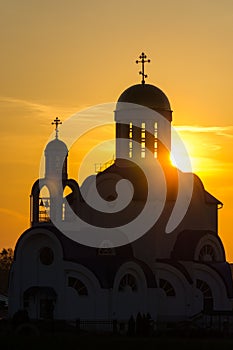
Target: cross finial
[56, 122]
[143, 60]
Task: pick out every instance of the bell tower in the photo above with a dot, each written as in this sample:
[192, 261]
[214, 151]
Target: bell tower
[47, 192]
[143, 121]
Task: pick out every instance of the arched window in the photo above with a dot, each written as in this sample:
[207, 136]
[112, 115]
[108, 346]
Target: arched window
[128, 281]
[155, 139]
[143, 140]
[78, 285]
[207, 295]
[46, 256]
[167, 287]
[130, 140]
[66, 214]
[207, 253]
[44, 205]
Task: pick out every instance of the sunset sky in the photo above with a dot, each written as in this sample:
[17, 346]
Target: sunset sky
[59, 57]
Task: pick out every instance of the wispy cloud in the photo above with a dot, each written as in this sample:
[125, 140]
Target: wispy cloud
[218, 130]
[26, 104]
[38, 108]
[13, 213]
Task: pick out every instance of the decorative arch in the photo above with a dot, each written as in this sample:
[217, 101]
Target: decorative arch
[128, 281]
[78, 285]
[84, 274]
[133, 269]
[215, 282]
[30, 246]
[208, 301]
[209, 249]
[38, 261]
[82, 292]
[174, 292]
[207, 253]
[129, 291]
[38, 211]
[71, 201]
[167, 287]
[42, 206]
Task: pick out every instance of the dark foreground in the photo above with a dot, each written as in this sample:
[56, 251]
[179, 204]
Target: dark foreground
[62, 341]
[20, 333]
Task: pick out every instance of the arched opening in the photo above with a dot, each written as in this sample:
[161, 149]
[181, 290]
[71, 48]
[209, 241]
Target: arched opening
[44, 205]
[80, 293]
[78, 285]
[208, 301]
[167, 287]
[68, 198]
[143, 140]
[40, 301]
[129, 292]
[40, 203]
[156, 140]
[130, 140]
[128, 283]
[207, 253]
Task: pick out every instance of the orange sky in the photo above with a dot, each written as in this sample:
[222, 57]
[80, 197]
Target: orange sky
[62, 56]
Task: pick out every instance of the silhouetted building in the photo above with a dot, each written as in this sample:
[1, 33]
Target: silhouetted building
[172, 274]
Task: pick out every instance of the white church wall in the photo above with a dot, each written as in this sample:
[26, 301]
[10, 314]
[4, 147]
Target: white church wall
[177, 306]
[81, 306]
[216, 284]
[30, 272]
[127, 302]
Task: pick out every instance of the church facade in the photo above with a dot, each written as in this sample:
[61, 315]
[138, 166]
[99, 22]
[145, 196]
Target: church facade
[172, 276]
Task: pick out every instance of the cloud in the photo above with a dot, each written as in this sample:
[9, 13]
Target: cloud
[39, 109]
[26, 104]
[218, 130]
[208, 147]
[13, 213]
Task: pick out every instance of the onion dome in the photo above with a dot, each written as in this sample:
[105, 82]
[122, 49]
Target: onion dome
[56, 146]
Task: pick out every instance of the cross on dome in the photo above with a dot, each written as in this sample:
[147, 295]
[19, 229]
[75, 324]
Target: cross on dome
[143, 61]
[56, 122]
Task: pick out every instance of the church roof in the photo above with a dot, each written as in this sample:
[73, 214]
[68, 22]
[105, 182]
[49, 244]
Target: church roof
[146, 95]
[126, 169]
[211, 199]
[186, 243]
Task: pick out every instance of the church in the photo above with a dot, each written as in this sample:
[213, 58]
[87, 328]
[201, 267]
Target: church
[156, 250]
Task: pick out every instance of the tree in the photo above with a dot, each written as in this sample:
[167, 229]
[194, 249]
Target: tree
[6, 259]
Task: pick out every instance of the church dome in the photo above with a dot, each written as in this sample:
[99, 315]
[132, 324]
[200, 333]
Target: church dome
[146, 95]
[57, 146]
